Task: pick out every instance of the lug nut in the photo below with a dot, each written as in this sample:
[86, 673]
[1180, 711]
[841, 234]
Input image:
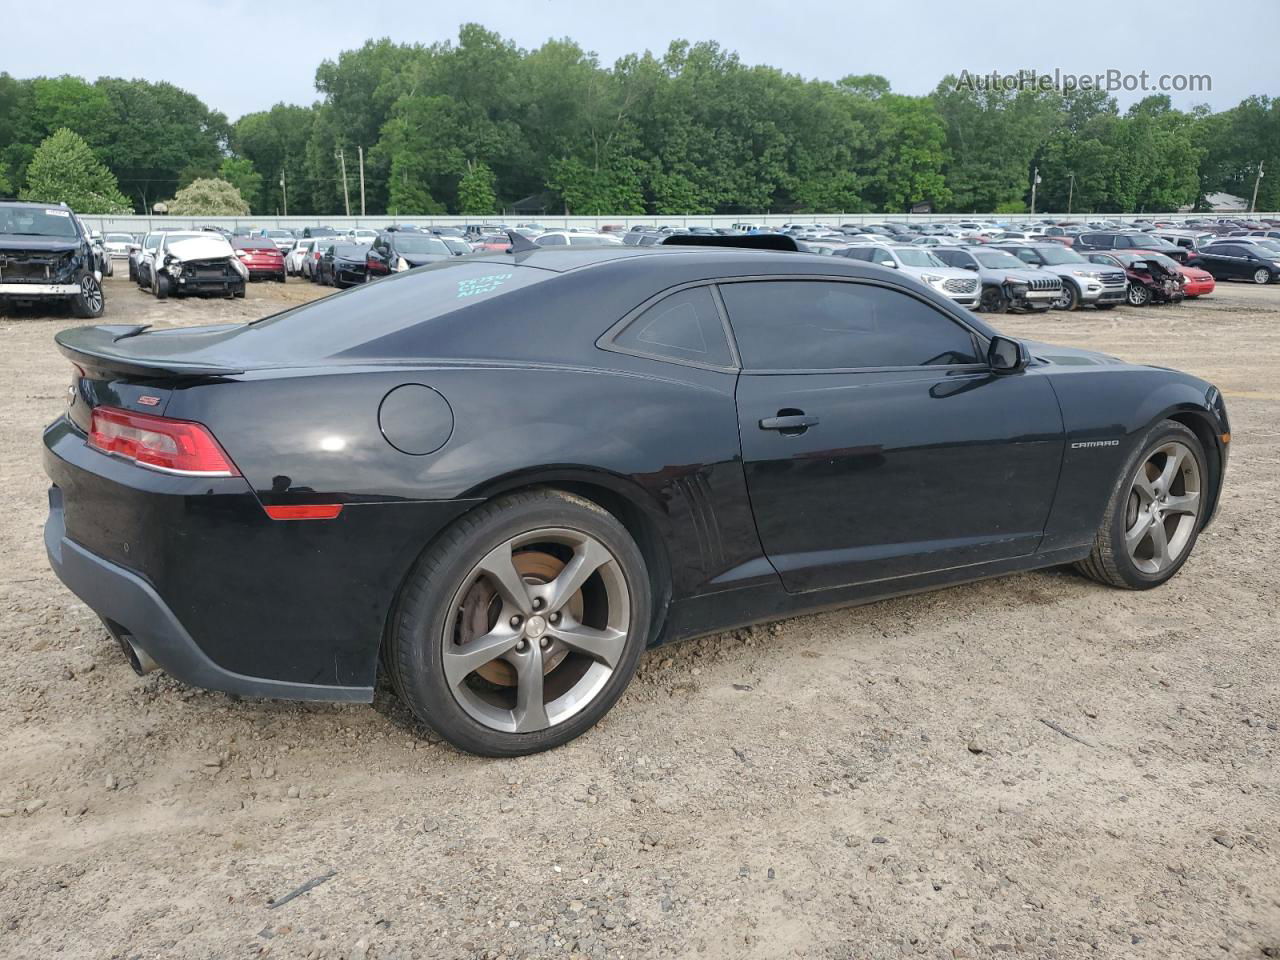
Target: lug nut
[520, 647]
[516, 621]
[538, 603]
[554, 618]
[545, 642]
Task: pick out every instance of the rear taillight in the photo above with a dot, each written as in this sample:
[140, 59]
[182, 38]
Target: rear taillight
[170, 446]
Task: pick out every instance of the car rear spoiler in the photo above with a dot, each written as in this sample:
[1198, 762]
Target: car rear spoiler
[756, 241]
[99, 347]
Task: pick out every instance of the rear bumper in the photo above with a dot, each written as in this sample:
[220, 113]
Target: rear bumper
[133, 608]
[39, 289]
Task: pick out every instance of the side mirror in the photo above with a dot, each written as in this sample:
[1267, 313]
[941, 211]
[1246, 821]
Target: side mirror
[971, 266]
[1006, 355]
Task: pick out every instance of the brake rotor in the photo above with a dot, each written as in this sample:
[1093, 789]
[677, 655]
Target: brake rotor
[482, 606]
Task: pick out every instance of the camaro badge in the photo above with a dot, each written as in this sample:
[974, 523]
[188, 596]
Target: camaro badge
[148, 401]
[1095, 443]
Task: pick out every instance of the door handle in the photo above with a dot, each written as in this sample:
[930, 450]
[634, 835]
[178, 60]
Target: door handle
[789, 423]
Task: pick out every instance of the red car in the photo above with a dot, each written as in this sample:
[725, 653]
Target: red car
[1196, 282]
[261, 256]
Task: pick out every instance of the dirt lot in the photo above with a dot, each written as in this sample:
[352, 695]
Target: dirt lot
[877, 782]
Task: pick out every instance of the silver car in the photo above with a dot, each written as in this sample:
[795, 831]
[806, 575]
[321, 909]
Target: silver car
[960, 285]
[1007, 282]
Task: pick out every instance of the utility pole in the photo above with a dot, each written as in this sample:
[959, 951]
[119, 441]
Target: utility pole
[361, 149]
[1035, 179]
[1071, 190]
[346, 200]
[1253, 204]
[284, 193]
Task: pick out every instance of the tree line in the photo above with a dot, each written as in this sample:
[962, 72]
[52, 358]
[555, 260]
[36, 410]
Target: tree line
[475, 125]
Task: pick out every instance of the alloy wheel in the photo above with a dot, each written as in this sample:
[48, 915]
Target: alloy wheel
[1262, 276]
[91, 293]
[1163, 508]
[1138, 294]
[537, 629]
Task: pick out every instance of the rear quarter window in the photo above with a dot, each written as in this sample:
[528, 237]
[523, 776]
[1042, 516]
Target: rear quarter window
[684, 326]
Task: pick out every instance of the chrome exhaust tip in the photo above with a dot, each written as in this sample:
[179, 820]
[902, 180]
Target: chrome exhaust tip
[138, 658]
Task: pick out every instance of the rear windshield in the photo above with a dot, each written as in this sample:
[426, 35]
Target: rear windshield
[254, 243]
[37, 222]
[119, 238]
[396, 303]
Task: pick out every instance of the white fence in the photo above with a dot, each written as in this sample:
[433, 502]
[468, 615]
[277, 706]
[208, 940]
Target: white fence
[141, 224]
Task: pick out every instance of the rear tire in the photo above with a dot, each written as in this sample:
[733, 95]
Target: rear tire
[509, 711]
[1127, 548]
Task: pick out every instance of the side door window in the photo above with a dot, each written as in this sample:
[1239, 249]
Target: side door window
[830, 325]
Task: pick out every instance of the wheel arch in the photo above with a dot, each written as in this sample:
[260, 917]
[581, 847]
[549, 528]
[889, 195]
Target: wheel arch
[633, 507]
[636, 508]
[1200, 423]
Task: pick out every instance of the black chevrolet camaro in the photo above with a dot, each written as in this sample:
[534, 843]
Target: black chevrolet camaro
[500, 478]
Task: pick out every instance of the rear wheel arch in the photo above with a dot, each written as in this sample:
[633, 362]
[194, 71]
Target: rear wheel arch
[619, 497]
[636, 509]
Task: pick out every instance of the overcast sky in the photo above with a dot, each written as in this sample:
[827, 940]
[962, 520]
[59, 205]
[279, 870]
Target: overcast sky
[245, 55]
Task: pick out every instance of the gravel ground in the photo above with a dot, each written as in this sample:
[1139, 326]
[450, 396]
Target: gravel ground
[1034, 765]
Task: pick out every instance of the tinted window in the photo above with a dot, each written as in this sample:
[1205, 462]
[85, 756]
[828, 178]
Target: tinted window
[825, 325]
[683, 326]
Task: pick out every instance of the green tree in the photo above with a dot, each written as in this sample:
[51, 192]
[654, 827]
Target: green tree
[64, 170]
[239, 172]
[475, 190]
[208, 198]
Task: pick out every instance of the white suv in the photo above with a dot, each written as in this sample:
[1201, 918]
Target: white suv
[962, 286]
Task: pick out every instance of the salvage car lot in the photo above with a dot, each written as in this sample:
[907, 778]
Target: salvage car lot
[1036, 763]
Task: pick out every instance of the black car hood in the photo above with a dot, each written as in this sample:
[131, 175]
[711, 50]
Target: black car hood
[418, 259]
[1071, 356]
[18, 244]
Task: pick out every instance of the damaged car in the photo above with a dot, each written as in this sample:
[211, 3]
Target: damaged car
[45, 255]
[1150, 281]
[1007, 283]
[195, 263]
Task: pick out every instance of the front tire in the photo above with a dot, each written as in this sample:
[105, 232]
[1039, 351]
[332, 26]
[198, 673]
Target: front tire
[1138, 295]
[160, 286]
[520, 627]
[89, 302]
[992, 301]
[1262, 276]
[1154, 515]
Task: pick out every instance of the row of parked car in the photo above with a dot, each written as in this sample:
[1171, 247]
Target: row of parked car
[981, 264]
